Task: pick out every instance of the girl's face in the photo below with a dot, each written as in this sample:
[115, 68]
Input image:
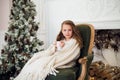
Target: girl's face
[67, 31]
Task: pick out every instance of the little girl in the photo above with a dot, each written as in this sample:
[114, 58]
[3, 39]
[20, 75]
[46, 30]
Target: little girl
[61, 54]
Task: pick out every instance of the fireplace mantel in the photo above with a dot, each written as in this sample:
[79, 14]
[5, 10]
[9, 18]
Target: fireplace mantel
[103, 24]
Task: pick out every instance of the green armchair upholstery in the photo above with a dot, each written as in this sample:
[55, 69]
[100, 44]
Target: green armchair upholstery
[80, 71]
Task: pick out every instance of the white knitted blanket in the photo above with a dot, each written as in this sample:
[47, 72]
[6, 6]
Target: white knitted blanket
[46, 62]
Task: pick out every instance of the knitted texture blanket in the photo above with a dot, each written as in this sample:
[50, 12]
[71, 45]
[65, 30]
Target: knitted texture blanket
[45, 62]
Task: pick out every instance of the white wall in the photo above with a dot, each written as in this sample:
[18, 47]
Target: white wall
[4, 19]
[103, 14]
[42, 32]
[4, 14]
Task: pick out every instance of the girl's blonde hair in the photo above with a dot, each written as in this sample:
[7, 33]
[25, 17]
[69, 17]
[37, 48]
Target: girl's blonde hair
[76, 35]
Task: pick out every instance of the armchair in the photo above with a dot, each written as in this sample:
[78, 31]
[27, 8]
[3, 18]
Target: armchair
[80, 71]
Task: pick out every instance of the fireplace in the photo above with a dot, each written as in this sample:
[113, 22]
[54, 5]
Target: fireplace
[106, 62]
[107, 46]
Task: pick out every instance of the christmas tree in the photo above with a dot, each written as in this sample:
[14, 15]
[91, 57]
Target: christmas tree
[21, 39]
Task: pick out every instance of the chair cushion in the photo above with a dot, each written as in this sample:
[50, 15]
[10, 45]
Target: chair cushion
[64, 74]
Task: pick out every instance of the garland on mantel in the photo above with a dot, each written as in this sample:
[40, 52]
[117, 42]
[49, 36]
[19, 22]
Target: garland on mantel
[107, 38]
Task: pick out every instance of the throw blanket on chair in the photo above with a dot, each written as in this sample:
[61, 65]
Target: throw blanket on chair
[45, 62]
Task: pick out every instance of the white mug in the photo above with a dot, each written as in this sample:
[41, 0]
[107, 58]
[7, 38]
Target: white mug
[58, 45]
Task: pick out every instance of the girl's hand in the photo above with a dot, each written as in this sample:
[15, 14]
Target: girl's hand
[58, 45]
[62, 44]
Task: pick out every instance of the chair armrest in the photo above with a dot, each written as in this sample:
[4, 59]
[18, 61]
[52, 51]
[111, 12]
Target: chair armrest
[90, 58]
[85, 62]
